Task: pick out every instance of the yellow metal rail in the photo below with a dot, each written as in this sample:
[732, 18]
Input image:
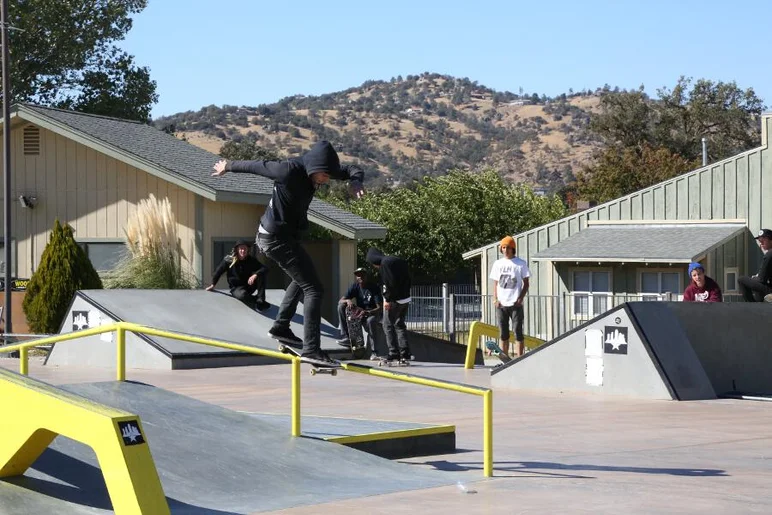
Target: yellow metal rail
[35, 413]
[478, 329]
[121, 327]
[485, 393]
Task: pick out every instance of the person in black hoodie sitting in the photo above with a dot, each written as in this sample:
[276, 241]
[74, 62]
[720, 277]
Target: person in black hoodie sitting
[758, 288]
[395, 276]
[246, 275]
[295, 181]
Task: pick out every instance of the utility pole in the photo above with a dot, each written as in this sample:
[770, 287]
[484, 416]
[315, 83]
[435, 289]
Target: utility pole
[704, 151]
[6, 163]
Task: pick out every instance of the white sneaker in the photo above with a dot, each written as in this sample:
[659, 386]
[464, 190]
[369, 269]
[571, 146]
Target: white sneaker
[768, 297]
[374, 357]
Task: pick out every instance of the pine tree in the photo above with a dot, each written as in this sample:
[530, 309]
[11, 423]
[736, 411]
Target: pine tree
[64, 268]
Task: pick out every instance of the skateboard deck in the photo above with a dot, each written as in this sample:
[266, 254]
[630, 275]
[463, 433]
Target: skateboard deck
[290, 343]
[354, 318]
[317, 367]
[392, 363]
[494, 348]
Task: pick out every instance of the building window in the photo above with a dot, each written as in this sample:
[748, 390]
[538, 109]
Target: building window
[591, 292]
[105, 256]
[654, 283]
[730, 280]
[14, 260]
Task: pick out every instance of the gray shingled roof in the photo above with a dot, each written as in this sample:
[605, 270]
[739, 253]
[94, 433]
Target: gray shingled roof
[187, 162]
[655, 243]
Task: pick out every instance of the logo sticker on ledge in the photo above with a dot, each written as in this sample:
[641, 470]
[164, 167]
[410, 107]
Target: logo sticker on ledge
[615, 340]
[131, 433]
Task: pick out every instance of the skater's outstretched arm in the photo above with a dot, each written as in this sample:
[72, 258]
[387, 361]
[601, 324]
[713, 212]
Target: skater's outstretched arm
[276, 170]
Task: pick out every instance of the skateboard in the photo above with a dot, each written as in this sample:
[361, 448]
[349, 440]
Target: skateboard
[354, 316]
[393, 362]
[317, 367]
[495, 349]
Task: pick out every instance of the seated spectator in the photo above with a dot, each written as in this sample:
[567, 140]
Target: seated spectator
[701, 288]
[364, 294]
[758, 287]
[246, 275]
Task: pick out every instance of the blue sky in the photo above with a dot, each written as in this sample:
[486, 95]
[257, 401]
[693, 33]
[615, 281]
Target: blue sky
[251, 52]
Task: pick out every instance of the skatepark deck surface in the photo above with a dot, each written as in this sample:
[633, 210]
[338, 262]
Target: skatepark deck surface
[553, 453]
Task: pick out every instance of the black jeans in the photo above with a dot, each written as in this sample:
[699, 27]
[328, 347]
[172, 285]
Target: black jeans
[752, 289]
[396, 330]
[246, 293]
[297, 264]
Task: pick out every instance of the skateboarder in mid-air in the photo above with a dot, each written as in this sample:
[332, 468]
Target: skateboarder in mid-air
[295, 181]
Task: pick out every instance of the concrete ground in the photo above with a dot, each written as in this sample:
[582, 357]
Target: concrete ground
[552, 452]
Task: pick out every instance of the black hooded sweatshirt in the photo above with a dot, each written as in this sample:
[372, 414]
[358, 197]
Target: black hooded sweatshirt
[395, 275]
[238, 270]
[293, 189]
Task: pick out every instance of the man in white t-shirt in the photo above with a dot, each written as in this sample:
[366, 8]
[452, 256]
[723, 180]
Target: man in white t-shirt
[510, 284]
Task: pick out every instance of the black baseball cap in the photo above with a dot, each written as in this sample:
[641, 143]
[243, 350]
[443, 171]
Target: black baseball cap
[765, 232]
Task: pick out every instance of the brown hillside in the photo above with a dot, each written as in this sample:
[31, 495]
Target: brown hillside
[407, 128]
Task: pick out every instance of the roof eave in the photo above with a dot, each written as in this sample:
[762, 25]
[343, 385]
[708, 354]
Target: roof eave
[631, 259]
[126, 157]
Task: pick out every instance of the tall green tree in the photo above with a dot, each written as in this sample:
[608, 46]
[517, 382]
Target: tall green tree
[65, 55]
[64, 269]
[433, 223]
[651, 140]
[617, 171]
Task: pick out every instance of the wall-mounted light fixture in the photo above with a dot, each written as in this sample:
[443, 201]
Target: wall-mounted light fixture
[28, 202]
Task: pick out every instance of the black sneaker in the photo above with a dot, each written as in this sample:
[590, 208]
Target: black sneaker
[343, 342]
[318, 356]
[262, 305]
[284, 334]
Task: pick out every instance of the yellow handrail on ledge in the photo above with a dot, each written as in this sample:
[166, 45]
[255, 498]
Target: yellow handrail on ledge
[121, 327]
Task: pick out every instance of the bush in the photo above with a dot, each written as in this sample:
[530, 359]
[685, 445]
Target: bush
[64, 268]
[155, 260]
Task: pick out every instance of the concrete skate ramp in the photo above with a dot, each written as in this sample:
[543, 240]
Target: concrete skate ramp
[733, 341]
[211, 315]
[210, 460]
[636, 350]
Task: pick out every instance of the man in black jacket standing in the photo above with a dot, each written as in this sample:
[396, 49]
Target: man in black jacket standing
[754, 289]
[246, 275]
[395, 276]
[295, 181]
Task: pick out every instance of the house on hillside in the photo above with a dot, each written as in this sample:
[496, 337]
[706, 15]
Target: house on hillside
[91, 172]
[637, 247]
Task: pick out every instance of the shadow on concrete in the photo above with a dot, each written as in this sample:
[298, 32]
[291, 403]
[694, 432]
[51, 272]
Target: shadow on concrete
[536, 467]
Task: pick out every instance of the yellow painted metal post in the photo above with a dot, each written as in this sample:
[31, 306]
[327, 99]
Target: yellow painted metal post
[488, 433]
[295, 397]
[471, 346]
[24, 361]
[120, 352]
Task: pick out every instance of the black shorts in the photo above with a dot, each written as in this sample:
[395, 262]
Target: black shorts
[515, 313]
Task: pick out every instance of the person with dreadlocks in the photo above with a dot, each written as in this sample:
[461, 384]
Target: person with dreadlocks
[246, 275]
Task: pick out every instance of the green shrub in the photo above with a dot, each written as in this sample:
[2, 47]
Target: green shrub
[64, 268]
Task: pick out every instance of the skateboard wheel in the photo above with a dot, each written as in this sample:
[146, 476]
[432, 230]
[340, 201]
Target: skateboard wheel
[313, 372]
[334, 373]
